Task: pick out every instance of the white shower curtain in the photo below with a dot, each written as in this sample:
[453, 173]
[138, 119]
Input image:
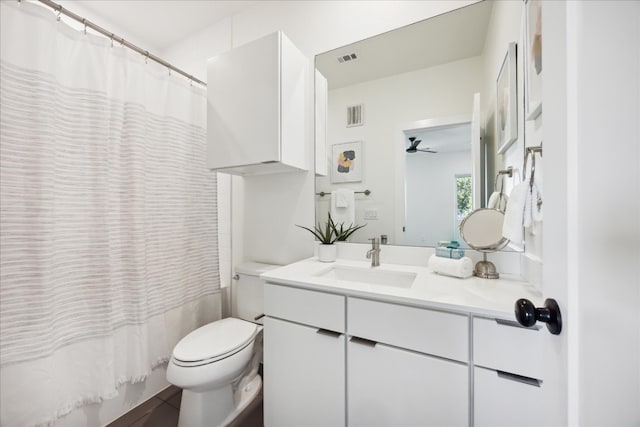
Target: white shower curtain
[108, 229]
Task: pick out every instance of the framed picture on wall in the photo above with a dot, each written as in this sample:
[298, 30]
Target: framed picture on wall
[506, 101]
[533, 59]
[346, 162]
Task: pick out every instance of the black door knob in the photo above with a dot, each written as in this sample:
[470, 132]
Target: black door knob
[527, 314]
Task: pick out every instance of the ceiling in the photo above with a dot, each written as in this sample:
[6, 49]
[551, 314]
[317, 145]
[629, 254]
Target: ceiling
[162, 23]
[443, 139]
[438, 40]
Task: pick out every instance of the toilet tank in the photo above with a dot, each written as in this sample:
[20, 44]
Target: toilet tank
[249, 292]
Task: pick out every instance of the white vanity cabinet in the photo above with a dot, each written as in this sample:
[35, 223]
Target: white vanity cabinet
[304, 358]
[335, 359]
[406, 365]
[508, 374]
[256, 107]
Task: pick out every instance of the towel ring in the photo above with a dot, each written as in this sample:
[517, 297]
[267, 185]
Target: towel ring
[531, 151]
[508, 171]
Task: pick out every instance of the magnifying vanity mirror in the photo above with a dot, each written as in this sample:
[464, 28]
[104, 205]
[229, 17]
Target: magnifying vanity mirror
[410, 105]
[482, 231]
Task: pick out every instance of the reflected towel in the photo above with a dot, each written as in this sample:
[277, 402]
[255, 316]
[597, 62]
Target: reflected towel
[536, 202]
[512, 228]
[498, 201]
[343, 207]
[461, 268]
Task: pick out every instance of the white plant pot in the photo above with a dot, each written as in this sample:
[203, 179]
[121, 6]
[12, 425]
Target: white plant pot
[327, 253]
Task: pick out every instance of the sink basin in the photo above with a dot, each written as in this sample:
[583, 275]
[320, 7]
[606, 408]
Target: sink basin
[371, 276]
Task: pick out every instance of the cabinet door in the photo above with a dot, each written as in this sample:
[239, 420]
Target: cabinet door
[506, 400]
[387, 386]
[304, 376]
[243, 105]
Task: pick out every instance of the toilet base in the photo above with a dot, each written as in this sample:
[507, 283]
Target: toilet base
[244, 398]
[216, 408]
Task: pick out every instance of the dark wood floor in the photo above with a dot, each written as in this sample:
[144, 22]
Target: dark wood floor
[162, 411]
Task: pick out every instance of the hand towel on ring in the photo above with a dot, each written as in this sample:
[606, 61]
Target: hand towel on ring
[343, 206]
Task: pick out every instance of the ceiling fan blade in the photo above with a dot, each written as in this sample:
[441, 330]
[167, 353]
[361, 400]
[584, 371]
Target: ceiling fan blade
[414, 143]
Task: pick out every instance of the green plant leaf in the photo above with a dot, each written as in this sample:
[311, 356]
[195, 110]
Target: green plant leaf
[331, 232]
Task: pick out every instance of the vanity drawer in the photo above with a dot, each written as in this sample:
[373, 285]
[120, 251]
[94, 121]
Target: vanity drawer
[319, 309]
[502, 399]
[427, 331]
[506, 346]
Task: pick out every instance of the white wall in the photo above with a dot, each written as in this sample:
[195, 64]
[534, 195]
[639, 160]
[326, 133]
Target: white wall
[505, 26]
[389, 103]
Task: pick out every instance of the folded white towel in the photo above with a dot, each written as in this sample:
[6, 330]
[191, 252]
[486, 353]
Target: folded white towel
[512, 228]
[462, 268]
[498, 201]
[343, 207]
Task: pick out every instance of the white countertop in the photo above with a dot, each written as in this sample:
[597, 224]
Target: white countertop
[486, 297]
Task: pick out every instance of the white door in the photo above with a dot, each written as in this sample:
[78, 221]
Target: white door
[591, 225]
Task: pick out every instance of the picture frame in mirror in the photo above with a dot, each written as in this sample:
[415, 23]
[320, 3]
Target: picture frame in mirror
[346, 162]
[506, 101]
[533, 59]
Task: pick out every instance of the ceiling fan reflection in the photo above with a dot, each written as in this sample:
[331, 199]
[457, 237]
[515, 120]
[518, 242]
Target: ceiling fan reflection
[413, 148]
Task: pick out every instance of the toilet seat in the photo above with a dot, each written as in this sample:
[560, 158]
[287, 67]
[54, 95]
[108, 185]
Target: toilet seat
[214, 341]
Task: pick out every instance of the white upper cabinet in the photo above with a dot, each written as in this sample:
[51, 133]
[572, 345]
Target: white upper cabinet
[256, 108]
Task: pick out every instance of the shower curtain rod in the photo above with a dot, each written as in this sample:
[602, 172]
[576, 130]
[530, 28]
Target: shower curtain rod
[58, 8]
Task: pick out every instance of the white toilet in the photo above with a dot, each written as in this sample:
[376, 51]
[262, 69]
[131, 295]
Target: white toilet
[217, 364]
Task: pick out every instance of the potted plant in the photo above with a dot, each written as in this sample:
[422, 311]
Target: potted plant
[328, 235]
[344, 233]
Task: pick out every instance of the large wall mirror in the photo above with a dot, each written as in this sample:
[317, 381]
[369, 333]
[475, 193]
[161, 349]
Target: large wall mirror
[411, 106]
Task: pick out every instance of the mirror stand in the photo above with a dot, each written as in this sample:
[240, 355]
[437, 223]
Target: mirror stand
[482, 230]
[485, 269]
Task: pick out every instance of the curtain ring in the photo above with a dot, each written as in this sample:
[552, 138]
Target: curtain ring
[59, 16]
[111, 40]
[169, 71]
[84, 21]
[146, 57]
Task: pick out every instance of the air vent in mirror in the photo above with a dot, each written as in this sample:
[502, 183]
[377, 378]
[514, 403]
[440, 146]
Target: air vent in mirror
[355, 115]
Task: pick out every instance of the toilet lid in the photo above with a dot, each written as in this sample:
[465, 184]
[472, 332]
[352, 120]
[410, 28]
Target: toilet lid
[215, 339]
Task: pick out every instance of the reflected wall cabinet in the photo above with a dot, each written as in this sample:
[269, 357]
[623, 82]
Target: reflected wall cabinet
[255, 108]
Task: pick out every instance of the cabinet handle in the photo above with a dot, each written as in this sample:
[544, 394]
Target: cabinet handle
[363, 341]
[258, 317]
[519, 378]
[515, 324]
[328, 333]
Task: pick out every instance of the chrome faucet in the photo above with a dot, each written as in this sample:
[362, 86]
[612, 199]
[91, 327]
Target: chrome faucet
[374, 252]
